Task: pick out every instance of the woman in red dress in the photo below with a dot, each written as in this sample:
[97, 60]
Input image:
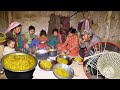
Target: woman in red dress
[71, 45]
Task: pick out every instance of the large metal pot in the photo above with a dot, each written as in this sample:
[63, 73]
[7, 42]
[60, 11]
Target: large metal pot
[19, 75]
[52, 52]
[41, 54]
[26, 74]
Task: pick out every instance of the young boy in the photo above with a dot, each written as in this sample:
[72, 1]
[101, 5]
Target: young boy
[9, 48]
[30, 35]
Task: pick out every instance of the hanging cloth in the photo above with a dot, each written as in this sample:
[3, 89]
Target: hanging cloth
[80, 25]
[87, 25]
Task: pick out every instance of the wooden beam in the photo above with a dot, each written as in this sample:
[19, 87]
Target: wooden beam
[9, 17]
[74, 14]
[108, 25]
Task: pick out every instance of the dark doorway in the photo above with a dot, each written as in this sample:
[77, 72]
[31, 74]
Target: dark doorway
[62, 23]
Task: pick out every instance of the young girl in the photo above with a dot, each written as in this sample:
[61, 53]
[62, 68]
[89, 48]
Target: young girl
[71, 45]
[24, 40]
[43, 40]
[9, 48]
[54, 39]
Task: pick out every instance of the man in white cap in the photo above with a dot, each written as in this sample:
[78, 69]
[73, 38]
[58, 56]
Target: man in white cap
[88, 39]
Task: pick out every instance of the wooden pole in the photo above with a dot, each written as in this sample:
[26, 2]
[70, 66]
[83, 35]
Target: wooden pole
[9, 17]
[108, 26]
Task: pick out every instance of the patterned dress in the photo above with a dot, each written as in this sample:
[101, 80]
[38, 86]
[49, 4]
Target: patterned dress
[70, 43]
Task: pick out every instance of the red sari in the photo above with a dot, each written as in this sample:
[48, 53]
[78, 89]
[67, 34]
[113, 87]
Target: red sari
[71, 44]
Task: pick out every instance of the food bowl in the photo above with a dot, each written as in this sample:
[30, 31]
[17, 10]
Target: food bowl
[63, 59]
[42, 54]
[47, 64]
[2, 38]
[61, 53]
[52, 52]
[63, 71]
[42, 42]
[78, 59]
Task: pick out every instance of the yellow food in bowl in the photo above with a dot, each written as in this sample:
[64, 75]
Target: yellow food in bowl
[46, 64]
[61, 72]
[2, 37]
[62, 61]
[19, 62]
[78, 59]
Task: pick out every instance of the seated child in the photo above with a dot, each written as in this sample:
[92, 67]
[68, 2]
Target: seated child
[54, 39]
[29, 36]
[24, 40]
[43, 38]
[41, 41]
[9, 48]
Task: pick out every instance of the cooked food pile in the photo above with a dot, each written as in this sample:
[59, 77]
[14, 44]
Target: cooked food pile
[2, 37]
[78, 59]
[44, 64]
[62, 61]
[19, 62]
[61, 72]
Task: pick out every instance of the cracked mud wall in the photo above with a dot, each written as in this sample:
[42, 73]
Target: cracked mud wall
[40, 19]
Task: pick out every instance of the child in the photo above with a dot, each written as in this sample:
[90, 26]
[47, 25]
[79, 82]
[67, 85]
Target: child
[24, 40]
[43, 38]
[9, 48]
[54, 39]
[29, 36]
[41, 41]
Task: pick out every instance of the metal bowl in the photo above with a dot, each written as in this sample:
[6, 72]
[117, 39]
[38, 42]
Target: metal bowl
[2, 39]
[80, 59]
[52, 52]
[65, 57]
[42, 54]
[51, 60]
[69, 70]
[61, 53]
[42, 51]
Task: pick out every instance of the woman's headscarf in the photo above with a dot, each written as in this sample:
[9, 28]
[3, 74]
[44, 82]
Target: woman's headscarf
[11, 26]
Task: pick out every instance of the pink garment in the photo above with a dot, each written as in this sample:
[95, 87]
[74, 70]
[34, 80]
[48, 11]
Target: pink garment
[40, 46]
[11, 26]
[87, 24]
[24, 45]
